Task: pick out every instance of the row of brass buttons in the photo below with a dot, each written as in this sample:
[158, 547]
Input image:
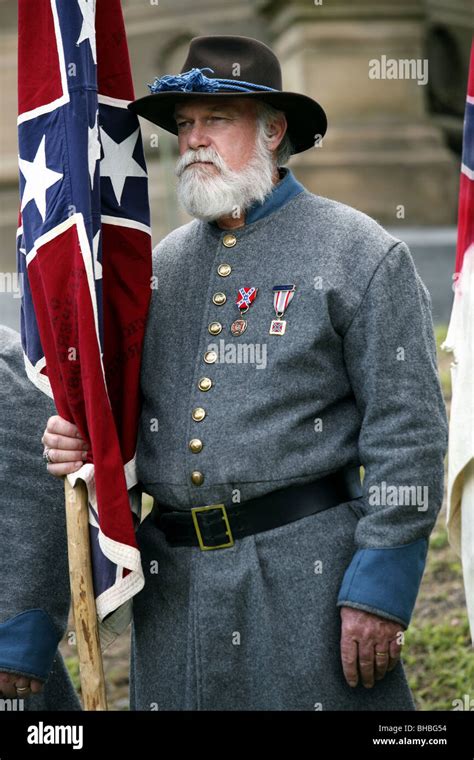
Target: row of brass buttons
[195, 444]
[205, 383]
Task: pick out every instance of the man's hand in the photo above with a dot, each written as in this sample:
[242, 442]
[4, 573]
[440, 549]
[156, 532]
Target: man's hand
[9, 682]
[67, 450]
[370, 645]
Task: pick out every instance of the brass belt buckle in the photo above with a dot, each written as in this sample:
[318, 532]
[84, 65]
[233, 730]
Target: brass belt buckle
[202, 545]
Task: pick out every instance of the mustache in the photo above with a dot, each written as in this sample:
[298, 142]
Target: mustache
[207, 155]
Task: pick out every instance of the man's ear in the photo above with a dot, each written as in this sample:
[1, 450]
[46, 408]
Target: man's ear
[278, 130]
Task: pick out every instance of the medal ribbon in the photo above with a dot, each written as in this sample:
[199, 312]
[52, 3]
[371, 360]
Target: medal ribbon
[281, 300]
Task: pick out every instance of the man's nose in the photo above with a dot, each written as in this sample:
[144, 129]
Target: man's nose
[198, 138]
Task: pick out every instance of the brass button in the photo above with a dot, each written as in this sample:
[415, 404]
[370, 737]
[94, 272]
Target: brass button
[195, 445]
[205, 384]
[198, 414]
[219, 299]
[229, 240]
[210, 357]
[197, 478]
[224, 270]
[215, 328]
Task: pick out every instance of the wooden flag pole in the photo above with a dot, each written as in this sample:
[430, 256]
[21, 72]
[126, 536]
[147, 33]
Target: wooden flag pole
[82, 595]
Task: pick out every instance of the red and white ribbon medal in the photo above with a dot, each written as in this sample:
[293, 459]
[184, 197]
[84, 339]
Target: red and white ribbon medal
[244, 300]
[282, 296]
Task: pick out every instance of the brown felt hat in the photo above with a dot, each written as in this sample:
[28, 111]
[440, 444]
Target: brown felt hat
[209, 69]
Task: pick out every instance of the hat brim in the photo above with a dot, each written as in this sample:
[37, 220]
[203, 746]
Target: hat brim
[307, 122]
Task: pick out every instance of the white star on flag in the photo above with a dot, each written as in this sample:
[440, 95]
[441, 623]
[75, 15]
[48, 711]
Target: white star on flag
[118, 163]
[93, 147]
[38, 178]
[87, 8]
[95, 251]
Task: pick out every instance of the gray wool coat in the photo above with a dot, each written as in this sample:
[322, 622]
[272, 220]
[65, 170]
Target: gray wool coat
[353, 381]
[34, 587]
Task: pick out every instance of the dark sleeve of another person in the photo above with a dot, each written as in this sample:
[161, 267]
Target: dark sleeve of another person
[34, 580]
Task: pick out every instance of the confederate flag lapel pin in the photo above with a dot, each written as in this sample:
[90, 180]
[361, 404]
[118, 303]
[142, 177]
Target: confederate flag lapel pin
[282, 296]
[244, 300]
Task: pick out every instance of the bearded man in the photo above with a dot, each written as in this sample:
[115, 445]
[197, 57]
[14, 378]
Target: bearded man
[289, 342]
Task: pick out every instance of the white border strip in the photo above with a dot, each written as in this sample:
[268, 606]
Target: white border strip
[121, 555]
[119, 222]
[106, 100]
[131, 473]
[467, 171]
[114, 597]
[38, 379]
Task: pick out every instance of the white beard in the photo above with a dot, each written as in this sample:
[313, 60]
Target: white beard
[208, 196]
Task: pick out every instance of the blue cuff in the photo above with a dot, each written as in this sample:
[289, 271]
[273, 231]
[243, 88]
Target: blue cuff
[385, 581]
[28, 644]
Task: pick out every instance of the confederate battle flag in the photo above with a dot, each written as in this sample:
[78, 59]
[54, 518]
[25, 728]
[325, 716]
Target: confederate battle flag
[84, 257]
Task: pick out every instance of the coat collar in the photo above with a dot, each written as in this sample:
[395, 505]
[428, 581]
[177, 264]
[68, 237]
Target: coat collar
[282, 192]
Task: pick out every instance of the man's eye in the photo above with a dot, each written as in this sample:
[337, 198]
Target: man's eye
[211, 119]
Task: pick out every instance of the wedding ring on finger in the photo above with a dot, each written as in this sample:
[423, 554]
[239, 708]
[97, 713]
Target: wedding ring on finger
[46, 455]
[22, 690]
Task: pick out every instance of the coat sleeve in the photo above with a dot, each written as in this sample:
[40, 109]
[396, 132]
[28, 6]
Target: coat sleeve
[35, 596]
[390, 355]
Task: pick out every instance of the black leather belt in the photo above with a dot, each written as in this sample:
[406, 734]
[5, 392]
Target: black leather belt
[216, 526]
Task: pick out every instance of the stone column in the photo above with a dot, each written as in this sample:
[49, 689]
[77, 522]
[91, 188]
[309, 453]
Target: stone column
[382, 152]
